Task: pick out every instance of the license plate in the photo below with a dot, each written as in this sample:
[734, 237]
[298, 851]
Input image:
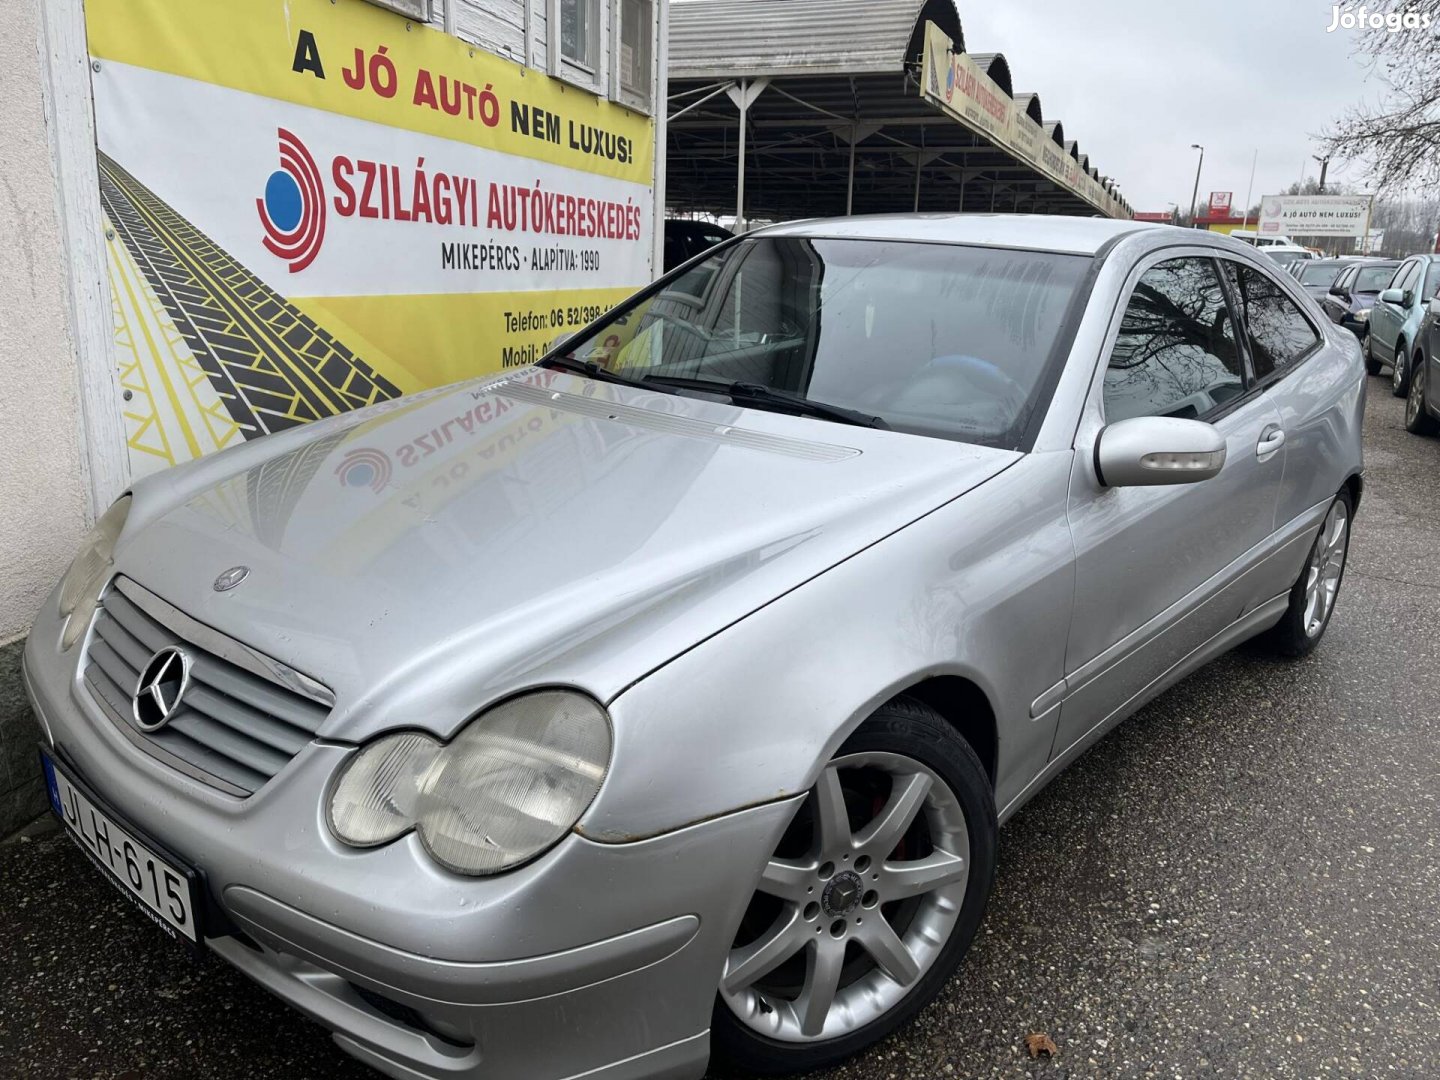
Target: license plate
[158, 886]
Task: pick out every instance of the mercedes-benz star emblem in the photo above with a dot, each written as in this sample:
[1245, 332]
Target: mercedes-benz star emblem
[842, 893]
[230, 578]
[163, 682]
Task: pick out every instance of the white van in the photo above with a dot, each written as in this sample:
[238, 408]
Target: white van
[1250, 236]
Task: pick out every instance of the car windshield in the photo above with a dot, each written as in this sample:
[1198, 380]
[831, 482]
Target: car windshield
[1371, 279]
[1320, 273]
[943, 340]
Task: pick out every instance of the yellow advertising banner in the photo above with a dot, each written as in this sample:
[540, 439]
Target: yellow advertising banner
[312, 206]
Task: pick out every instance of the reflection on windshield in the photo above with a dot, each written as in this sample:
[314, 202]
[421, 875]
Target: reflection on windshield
[934, 339]
[1373, 278]
[1320, 275]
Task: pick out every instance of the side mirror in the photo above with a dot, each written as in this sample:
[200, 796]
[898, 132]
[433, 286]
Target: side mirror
[1435, 306]
[1149, 450]
[1392, 296]
[1336, 290]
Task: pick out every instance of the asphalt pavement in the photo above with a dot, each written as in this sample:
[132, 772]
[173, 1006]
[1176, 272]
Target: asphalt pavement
[1243, 880]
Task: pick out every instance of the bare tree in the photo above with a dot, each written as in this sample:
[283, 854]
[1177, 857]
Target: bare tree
[1399, 138]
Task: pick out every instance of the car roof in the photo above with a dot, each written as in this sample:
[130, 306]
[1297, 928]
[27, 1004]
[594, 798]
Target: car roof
[1039, 232]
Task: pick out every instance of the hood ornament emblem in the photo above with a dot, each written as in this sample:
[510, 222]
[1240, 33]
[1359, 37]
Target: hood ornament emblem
[230, 578]
[163, 682]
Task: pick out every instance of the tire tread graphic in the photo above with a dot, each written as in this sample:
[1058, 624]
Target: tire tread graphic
[271, 364]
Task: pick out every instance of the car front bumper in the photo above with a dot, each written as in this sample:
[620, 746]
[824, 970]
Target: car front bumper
[598, 959]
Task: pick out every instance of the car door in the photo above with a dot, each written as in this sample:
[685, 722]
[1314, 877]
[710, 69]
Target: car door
[1385, 317]
[1161, 570]
[1430, 349]
[1283, 343]
[1336, 302]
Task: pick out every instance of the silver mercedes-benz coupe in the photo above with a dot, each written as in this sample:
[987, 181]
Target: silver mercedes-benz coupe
[666, 697]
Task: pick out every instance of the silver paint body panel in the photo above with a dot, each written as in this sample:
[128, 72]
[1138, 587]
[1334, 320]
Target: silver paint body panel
[740, 588]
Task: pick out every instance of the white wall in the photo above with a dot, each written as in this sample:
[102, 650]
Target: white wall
[43, 494]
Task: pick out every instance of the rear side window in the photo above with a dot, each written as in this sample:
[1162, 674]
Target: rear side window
[1279, 334]
[1176, 354]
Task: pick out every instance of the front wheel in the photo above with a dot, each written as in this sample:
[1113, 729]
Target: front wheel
[1372, 366]
[1400, 372]
[1312, 599]
[868, 904]
[1417, 420]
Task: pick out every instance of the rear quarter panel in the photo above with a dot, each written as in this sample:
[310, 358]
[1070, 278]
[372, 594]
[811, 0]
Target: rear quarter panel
[1322, 410]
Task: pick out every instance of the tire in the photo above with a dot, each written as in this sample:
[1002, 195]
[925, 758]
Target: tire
[1301, 628]
[1400, 371]
[1417, 420]
[777, 1018]
[1372, 366]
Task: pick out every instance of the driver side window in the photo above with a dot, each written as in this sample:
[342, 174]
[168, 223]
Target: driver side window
[1176, 354]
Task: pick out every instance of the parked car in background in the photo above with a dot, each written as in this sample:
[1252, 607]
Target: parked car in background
[1422, 399]
[684, 239]
[1316, 276]
[1254, 239]
[688, 719]
[1286, 257]
[1349, 300]
[1395, 319]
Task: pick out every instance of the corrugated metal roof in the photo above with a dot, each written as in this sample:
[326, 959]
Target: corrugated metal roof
[724, 38]
[1030, 105]
[997, 67]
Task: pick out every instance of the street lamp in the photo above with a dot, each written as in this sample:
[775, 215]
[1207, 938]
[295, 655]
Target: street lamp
[1196, 190]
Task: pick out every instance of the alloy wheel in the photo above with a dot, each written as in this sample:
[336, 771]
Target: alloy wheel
[1415, 403]
[1397, 372]
[1327, 562]
[857, 903]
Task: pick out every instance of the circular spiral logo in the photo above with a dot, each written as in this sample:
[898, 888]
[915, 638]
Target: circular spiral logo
[292, 210]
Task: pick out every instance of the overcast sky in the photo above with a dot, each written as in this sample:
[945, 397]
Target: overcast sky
[1137, 81]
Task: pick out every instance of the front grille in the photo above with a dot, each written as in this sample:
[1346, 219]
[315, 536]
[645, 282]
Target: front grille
[238, 723]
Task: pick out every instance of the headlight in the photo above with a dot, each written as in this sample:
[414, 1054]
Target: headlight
[509, 786]
[80, 588]
[1363, 315]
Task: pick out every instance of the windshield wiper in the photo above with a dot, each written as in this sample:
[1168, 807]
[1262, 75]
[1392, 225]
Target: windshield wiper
[762, 397]
[590, 369]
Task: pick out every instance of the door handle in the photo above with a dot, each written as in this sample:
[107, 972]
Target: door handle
[1271, 439]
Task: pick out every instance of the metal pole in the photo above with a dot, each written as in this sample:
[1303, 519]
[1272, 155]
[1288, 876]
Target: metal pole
[1365, 244]
[1195, 191]
[744, 104]
[993, 185]
[962, 191]
[850, 180]
[1251, 189]
[916, 205]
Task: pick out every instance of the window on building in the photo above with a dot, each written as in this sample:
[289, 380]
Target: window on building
[1176, 353]
[580, 32]
[636, 54]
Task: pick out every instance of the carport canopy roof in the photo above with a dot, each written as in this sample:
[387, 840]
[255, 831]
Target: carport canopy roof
[835, 120]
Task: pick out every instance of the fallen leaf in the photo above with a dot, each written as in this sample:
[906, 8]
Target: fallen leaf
[1040, 1043]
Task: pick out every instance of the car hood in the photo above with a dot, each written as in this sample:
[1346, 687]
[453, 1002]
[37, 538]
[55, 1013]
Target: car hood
[431, 555]
[1363, 301]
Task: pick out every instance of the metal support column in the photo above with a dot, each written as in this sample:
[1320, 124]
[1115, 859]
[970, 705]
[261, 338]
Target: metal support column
[743, 93]
[850, 178]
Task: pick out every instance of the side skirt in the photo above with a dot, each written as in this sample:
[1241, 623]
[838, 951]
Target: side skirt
[1247, 626]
